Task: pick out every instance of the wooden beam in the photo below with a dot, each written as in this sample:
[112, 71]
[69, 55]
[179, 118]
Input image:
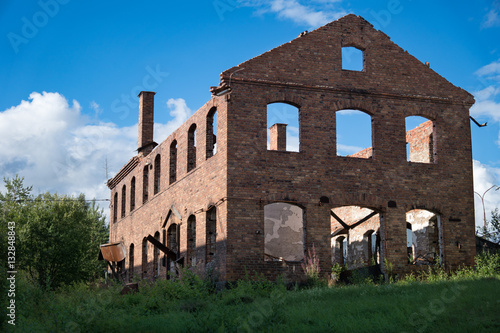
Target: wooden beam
[339, 220]
[169, 253]
[366, 218]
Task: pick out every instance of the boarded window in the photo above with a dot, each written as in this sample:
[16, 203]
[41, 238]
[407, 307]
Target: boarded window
[173, 245]
[157, 179]
[284, 232]
[211, 236]
[191, 148]
[352, 59]
[131, 263]
[354, 134]
[420, 140]
[124, 199]
[115, 208]
[145, 183]
[173, 161]
[191, 241]
[156, 256]
[211, 134]
[144, 258]
[132, 194]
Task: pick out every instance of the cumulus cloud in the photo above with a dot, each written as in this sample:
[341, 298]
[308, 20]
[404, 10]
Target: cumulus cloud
[311, 13]
[56, 148]
[485, 179]
[488, 99]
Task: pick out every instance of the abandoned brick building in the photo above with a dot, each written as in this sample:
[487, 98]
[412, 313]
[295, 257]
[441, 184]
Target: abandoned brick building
[222, 193]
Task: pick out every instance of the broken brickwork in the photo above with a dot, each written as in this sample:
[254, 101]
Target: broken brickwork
[211, 197]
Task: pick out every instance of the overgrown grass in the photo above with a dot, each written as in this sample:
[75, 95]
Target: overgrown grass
[466, 301]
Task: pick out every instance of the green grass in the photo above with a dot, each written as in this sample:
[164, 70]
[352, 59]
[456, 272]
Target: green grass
[468, 301]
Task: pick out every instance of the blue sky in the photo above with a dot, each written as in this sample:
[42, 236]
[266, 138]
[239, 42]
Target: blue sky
[71, 71]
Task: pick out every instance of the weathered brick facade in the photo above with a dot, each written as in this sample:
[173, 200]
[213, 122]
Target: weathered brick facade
[213, 215]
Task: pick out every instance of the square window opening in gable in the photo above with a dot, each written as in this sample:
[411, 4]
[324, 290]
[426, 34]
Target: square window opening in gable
[352, 59]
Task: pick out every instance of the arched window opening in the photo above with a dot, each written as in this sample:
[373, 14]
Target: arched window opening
[124, 199]
[145, 184]
[191, 241]
[191, 148]
[157, 179]
[423, 237]
[115, 208]
[352, 59]
[131, 262]
[156, 256]
[357, 238]
[211, 236]
[132, 194]
[354, 134]
[211, 133]
[144, 258]
[173, 161]
[420, 140]
[283, 232]
[173, 245]
[283, 127]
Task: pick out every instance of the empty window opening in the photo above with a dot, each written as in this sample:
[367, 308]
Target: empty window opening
[283, 127]
[211, 133]
[339, 247]
[191, 148]
[352, 59]
[145, 184]
[354, 134]
[173, 161]
[191, 241]
[144, 258]
[355, 236]
[283, 232]
[420, 145]
[115, 208]
[132, 194]
[156, 256]
[124, 199]
[211, 237]
[131, 262]
[157, 179]
[423, 237]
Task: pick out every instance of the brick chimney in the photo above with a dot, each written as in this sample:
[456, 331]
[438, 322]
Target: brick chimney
[146, 122]
[278, 137]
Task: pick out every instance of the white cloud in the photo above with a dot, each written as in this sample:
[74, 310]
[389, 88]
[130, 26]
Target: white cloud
[491, 71]
[345, 150]
[312, 13]
[56, 148]
[492, 18]
[484, 178]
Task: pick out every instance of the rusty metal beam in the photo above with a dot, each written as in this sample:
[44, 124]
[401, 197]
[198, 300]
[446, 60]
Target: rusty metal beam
[169, 253]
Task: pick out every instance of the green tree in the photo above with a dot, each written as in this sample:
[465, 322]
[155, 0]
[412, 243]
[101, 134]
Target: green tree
[491, 230]
[58, 236]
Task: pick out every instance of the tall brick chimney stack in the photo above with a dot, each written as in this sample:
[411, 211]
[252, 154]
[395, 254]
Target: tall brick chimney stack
[278, 137]
[146, 122]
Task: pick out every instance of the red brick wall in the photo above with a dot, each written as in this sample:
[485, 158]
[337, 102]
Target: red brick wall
[244, 175]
